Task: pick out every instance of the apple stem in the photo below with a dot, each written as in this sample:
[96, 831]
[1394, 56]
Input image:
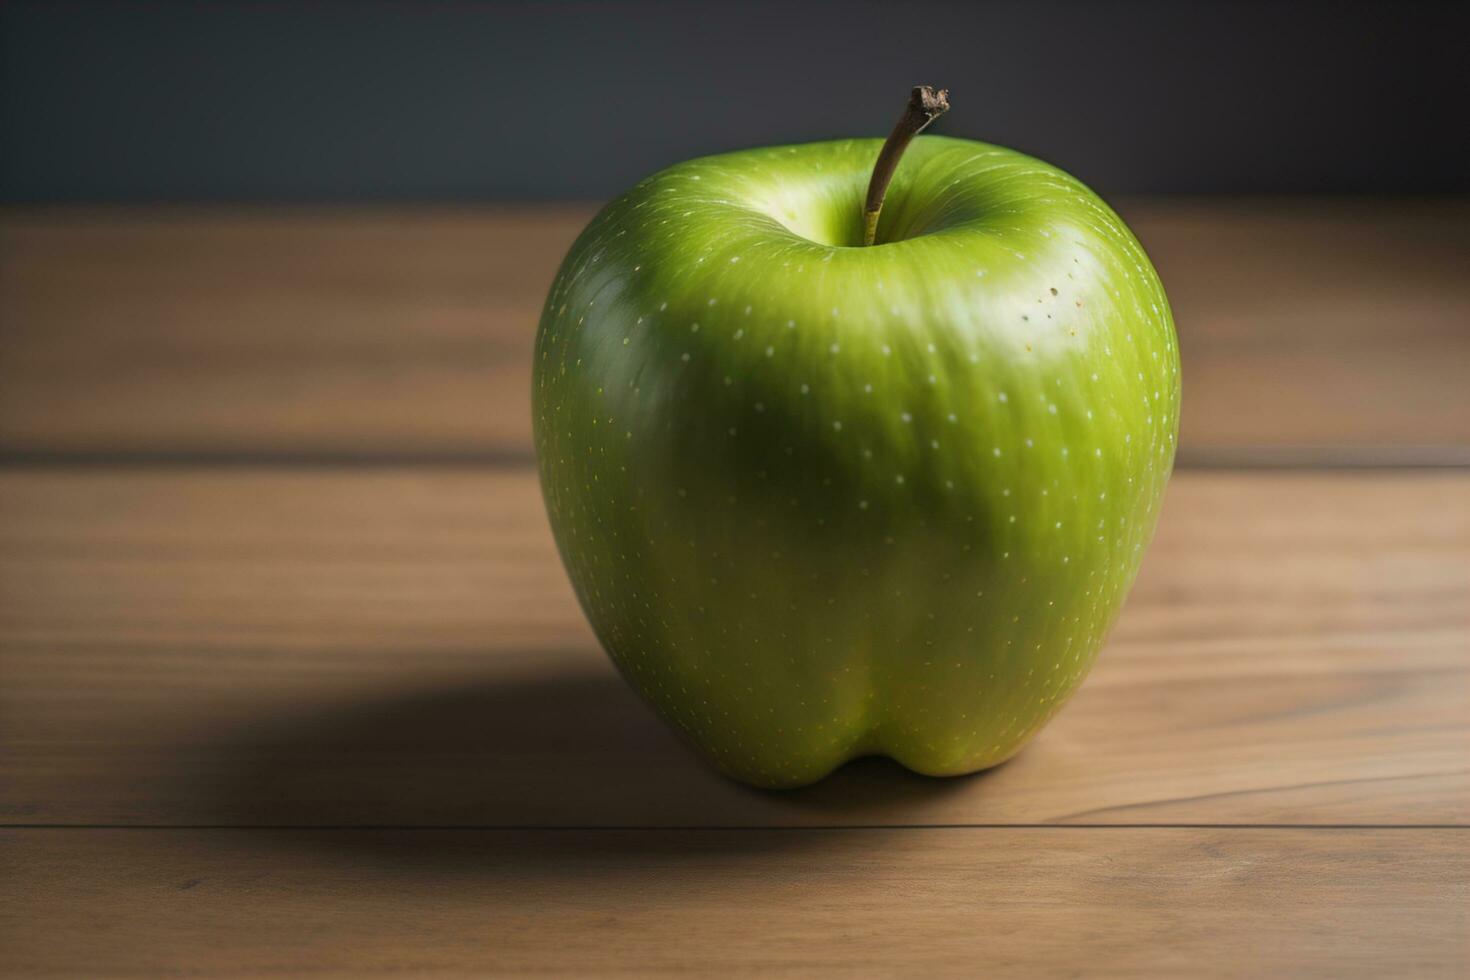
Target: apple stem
[925, 105]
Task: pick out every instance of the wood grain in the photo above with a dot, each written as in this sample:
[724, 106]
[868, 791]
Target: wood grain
[922, 903]
[273, 716]
[381, 332]
[363, 647]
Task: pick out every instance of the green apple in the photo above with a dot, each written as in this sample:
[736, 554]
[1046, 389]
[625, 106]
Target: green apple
[820, 500]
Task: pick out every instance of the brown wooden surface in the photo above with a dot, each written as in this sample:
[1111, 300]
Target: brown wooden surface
[1328, 324]
[266, 714]
[961, 902]
[402, 648]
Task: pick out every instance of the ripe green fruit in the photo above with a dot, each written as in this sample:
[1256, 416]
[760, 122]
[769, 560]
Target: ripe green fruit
[821, 500]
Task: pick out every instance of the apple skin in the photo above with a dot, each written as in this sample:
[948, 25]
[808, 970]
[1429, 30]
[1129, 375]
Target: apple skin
[821, 501]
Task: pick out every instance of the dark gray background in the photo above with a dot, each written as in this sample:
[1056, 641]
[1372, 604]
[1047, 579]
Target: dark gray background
[340, 102]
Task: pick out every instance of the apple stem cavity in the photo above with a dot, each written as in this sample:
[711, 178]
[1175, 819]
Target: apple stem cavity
[925, 105]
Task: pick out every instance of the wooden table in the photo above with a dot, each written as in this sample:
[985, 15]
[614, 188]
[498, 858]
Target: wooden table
[291, 681]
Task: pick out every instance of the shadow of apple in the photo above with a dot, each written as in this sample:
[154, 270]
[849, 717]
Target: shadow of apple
[551, 752]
